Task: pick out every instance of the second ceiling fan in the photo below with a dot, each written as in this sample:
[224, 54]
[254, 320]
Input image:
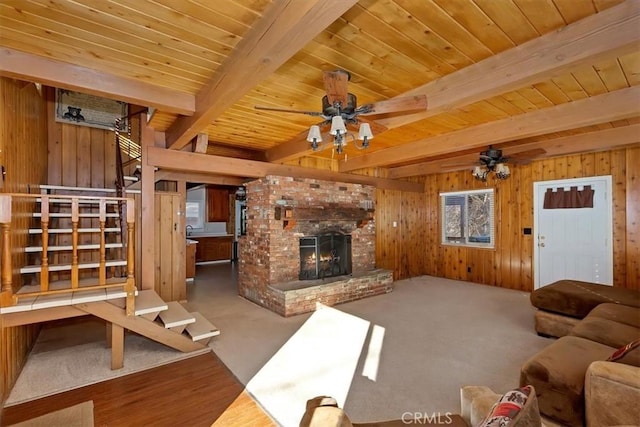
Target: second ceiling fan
[340, 109]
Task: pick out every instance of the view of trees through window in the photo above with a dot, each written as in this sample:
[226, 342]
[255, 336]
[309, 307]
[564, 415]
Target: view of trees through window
[468, 218]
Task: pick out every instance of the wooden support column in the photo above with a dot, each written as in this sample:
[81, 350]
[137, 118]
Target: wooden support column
[147, 267]
[117, 346]
[201, 143]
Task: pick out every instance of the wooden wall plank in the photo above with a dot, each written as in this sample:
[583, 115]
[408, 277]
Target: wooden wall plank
[632, 231]
[510, 265]
[23, 141]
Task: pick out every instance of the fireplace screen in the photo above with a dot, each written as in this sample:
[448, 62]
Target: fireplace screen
[325, 255]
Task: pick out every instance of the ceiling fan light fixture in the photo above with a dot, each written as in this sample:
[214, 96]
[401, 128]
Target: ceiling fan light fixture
[502, 171]
[314, 137]
[337, 126]
[365, 134]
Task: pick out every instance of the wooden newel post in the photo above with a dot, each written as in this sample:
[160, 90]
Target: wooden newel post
[44, 225]
[75, 218]
[6, 275]
[102, 269]
[131, 218]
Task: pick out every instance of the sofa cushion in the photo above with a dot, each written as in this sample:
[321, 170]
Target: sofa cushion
[576, 298]
[618, 313]
[557, 373]
[605, 331]
[515, 408]
[628, 354]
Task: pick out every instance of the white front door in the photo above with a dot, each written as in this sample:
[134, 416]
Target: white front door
[574, 243]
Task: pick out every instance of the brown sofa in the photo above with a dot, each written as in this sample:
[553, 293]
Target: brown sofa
[561, 305]
[574, 390]
[476, 402]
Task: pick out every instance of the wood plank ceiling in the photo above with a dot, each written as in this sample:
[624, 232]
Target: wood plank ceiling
[390, 47]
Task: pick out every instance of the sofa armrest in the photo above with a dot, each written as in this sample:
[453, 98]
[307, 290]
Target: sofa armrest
[475, 403]
[612, 393]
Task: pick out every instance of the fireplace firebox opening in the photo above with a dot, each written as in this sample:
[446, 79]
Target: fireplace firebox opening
[325, 255]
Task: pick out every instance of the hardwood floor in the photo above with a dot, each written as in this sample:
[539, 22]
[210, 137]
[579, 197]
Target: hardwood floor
[198, 391]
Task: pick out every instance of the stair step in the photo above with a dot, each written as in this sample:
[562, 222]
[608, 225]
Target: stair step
[176, 315]
[58, 200]
[76, 296]
[69, 247]
[202, 328]
[80, 215]
[149, 302]
[68, 230]
[67, 267]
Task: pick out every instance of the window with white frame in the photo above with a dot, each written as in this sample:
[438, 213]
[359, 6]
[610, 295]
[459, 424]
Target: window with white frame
[467, 218]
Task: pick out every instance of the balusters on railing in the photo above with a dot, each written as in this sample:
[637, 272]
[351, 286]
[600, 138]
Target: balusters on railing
[6, 275]
[44, 225]
[75, 219]
[130, 287]
[102, 269]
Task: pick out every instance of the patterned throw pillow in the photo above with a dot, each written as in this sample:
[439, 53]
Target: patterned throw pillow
[507, 408]
[623, 351]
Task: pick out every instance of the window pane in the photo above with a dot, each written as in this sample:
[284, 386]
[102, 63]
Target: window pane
[479, 217]
[467, 218]
[454, 219]
[194, 215]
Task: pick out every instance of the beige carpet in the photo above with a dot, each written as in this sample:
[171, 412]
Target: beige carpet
[80, 415]
[438, 335]
[75, 355]
[429, 337]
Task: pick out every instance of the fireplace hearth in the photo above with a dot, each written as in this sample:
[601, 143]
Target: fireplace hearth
[326, 255]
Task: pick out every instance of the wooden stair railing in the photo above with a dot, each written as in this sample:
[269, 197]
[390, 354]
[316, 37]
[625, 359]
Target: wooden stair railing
[9, 298]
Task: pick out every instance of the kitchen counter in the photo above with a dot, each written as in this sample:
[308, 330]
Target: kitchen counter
[213, 247]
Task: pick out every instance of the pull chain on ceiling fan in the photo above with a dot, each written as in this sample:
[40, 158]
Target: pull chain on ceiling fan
[340, 109]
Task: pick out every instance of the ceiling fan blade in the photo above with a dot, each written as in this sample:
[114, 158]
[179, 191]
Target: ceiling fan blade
[286, 110]
[526, 156]
[335, 84]
[397, 105]
[376, 128]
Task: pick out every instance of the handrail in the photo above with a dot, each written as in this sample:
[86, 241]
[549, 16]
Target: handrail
[9, 298]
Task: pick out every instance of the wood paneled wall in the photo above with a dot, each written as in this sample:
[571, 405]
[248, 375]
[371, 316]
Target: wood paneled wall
[413, 247]
[23, 153]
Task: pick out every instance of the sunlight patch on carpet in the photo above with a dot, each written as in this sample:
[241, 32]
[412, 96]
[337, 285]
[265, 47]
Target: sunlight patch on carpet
[319, 359]
[372, 361]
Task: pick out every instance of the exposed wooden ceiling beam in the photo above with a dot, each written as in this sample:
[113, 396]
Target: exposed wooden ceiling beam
[284, 29]
[217, 165]
[605, 139]
[620, 104]
[201, 178]
[610, 33]
[50, 72]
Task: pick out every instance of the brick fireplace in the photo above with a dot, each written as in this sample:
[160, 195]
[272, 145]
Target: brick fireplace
[284, 216]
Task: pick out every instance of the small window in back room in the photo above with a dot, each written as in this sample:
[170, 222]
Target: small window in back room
[194, 215]
[467, 218]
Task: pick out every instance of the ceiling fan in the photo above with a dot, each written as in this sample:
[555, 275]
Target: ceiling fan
[340, 109]
[492, 160]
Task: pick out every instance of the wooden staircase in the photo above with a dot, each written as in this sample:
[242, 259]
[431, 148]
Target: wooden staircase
[77, 264]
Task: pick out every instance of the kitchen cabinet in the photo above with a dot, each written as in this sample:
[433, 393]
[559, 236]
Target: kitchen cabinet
[217, 205]
[213, 248]
[191, 259]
